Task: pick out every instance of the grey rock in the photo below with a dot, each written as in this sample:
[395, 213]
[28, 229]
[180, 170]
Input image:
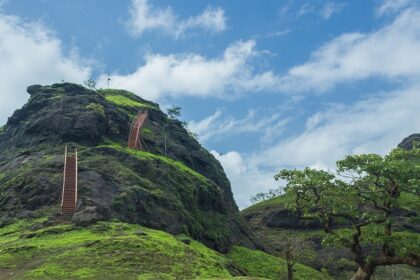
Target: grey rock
[87, 216]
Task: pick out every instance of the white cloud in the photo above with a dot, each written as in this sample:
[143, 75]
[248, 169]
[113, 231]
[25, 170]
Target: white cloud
[29, 54]
[387, 53]
[246, 179]
[295, 10]
[305, 9]
[329, 9]
[217, 125]
[143, 17]
[373, 125]
[392, 6]
[195, 75]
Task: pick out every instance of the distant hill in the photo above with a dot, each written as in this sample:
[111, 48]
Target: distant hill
[270, 220]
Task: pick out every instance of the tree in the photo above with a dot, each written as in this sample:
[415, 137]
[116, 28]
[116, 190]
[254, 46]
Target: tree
[292, 248]
[366, 197]
[90, 83]
[266, 196]
[174, 112]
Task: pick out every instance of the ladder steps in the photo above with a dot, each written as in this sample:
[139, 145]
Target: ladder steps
[138, 122]
[69, 193]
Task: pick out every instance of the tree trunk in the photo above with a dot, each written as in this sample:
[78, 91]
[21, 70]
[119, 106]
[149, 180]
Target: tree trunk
[289, 271]
[363, 273]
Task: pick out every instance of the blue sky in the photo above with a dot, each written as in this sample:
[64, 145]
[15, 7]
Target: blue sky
[283, 84]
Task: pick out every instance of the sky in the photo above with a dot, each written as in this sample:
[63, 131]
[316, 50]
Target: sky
[266, 85]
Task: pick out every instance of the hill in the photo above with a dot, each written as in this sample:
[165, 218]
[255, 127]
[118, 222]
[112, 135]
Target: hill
[116, 250]
[271, 221]
[181, 189]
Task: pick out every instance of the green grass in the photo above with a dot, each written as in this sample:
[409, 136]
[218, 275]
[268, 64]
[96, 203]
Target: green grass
[260, 264]
[146, 155]
[108, 250]
[276, 201]
[115, 250]
[410, 201]
[125, 99]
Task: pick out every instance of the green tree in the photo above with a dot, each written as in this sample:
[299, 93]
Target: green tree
[90, 83]
[292, 248]
[174, 112]
[366, 196]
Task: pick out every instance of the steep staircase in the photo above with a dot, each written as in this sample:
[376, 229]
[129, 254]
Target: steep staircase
[69, 193]
[134, 138]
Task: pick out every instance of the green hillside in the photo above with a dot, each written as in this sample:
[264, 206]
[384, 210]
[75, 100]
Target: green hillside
[114, 250]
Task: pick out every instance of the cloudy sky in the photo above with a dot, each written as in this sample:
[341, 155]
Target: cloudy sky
[265, 84]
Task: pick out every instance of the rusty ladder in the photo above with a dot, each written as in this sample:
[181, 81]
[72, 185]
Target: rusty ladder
[134, 137]
[69, 192]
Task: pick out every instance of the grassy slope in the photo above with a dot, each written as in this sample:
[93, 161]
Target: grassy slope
[124, 99]
[114, 250]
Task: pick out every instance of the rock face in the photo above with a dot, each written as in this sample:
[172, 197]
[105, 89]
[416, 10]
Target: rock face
[181, 188]
[410, 142]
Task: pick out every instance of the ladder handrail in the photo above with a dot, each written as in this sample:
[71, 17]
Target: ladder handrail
[136, 126]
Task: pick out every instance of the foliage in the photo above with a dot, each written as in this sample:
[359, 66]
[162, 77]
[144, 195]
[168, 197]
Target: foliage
[90, 83]
[192, 134]
[292, 249]
[174, 112]
[260, 264]
[98, 108]
[266, 196]
[372, 187]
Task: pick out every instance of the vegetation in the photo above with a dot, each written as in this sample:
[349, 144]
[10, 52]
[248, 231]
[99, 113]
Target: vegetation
[372, 188]
[115, 250]
[260, 264]
[146, 155]
[90, 83]
[174, 112]
[125, 99]
[266, 196]
[98, 108]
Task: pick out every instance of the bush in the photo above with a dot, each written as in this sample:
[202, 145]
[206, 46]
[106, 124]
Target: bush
[98, 108]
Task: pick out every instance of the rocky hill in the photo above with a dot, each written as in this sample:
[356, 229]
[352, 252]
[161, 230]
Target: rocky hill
[183, 191]
[146, 215]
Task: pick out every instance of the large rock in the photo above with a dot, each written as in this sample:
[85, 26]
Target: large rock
[410, 142]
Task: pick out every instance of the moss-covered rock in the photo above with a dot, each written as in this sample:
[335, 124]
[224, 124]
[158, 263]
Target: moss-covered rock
[184, 190]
